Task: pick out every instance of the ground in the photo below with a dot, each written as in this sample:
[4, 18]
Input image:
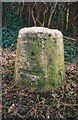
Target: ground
[25, 104]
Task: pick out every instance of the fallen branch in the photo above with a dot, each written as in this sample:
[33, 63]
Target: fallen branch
[69, 38]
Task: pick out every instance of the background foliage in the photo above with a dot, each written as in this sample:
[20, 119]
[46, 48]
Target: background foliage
[11, 25]
[15, 17]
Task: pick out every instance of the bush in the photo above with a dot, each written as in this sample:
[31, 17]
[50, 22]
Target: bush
[11, 25]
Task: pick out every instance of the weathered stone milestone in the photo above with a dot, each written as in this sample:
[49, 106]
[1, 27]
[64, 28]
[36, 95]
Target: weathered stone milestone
[39, 58]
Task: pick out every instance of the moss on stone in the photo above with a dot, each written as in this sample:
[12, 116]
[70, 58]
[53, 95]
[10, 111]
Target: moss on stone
[40, 60]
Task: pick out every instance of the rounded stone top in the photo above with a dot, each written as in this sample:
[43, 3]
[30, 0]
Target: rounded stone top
[54, 32]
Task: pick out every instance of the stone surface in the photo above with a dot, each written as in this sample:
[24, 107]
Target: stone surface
[39, 58]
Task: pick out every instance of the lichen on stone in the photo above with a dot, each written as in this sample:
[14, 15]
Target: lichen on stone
[40, 54]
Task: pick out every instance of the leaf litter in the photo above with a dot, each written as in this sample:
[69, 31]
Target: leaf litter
[21, 103]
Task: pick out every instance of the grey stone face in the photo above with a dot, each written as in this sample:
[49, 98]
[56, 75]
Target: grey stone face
[39, 58]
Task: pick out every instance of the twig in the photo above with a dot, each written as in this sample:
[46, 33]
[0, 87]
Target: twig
[33, 108]
[16, 113]
[69, 38]
[52, 12]
[30, 111]
[69, 104]
[75, 17]
[33, 18]
[33, 14]
[44, 13]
